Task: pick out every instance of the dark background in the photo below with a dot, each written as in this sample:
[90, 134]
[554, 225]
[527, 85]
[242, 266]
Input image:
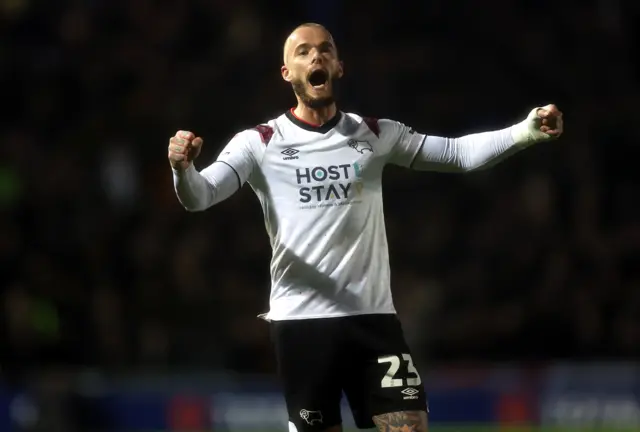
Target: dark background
[536, 259]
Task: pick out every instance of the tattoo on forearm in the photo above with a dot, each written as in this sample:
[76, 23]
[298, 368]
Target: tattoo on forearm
[404, 421]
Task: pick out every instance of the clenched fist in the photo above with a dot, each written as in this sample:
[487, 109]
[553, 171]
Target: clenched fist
[550, 120]
[184, 147]
[542, 124]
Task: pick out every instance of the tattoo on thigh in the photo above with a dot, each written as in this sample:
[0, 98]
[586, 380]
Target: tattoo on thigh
[404, 421]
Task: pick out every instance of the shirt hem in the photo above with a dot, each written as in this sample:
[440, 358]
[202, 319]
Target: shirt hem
[267, 317]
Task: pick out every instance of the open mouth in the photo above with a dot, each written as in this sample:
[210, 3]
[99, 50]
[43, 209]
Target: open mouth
[318, 78]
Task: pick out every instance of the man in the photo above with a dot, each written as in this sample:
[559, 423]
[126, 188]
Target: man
[317, 173]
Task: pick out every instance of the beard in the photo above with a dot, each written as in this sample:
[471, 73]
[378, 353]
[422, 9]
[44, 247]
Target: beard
[300, 89]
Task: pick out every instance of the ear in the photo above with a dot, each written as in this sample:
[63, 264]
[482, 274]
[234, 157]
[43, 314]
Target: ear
[286, 73]
[340, 69]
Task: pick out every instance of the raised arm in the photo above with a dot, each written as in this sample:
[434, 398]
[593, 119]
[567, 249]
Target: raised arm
[197, 191]
[475, 151]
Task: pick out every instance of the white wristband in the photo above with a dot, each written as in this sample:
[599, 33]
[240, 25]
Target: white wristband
[185, 172]
[528, 132]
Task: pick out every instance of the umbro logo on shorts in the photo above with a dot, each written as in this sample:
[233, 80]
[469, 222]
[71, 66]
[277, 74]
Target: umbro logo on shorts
[410, 393]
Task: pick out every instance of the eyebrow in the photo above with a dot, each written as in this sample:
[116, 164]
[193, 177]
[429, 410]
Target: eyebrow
[324, 44]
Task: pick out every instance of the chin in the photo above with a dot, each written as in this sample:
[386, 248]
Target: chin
[319, 101]
[325, 92]
[320, 94]
[315, 97]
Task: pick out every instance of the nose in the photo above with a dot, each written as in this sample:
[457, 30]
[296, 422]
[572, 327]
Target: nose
[317, 57]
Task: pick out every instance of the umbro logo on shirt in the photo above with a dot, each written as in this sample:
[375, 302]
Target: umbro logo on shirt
[290, 153]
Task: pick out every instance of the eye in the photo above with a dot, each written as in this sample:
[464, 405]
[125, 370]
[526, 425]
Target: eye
[326, 48]
[303, 52]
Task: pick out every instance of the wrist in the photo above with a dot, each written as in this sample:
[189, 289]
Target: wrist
[522, 135]
[180, 170]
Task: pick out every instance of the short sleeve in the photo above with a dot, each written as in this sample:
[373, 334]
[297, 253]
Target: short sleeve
[242, 154]
[403, 142]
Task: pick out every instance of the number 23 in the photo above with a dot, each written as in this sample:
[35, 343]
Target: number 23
[389, 379]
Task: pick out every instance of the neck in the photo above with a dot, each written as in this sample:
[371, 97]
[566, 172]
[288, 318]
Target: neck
[315, 116]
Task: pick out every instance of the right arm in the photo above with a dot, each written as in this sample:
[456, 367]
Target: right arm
[197, 191]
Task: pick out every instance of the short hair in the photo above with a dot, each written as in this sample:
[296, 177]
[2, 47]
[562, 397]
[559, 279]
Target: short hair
[307, 24]
[310, 24]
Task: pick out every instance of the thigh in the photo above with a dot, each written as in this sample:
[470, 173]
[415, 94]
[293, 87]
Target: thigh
[414, 421]
[309, 369]
[386, 379]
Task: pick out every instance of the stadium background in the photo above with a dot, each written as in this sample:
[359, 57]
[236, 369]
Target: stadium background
[519, 287]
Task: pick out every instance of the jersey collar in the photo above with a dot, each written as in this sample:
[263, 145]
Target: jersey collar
[324, 128]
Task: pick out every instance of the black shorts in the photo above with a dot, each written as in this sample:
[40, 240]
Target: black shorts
[364, 356]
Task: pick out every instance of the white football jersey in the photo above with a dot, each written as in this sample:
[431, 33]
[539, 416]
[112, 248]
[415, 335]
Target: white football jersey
[321, 194]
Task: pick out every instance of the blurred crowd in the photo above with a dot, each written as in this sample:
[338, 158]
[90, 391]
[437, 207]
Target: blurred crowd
[532, 260]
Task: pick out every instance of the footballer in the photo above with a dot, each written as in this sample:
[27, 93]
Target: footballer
[317, 172]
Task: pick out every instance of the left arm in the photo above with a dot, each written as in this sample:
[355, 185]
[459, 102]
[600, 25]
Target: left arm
[475, 151]
[467, 153]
